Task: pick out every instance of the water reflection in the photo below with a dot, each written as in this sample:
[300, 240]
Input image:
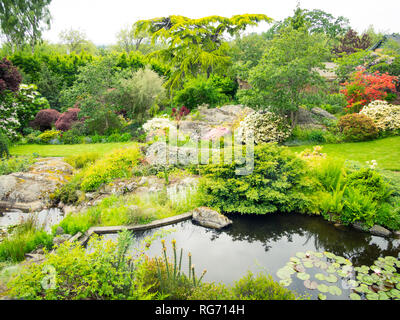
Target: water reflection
[267, 242]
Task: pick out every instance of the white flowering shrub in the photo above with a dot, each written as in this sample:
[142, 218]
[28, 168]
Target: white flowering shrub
[386, 116]
[266, 127]
[9, 122]
[158, 124]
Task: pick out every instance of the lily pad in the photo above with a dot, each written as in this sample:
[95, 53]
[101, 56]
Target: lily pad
[331, 278]
[308, 264]
[299, 268]
[312, 285]
[303, 276]
[323, 288]
[321, 296]
[334, 290]
[284, 273]
[286, 282]
[320, 276]
[329, 255]
[331, 270]
[383, 296]
[355, 296]
[372, 296]
[300, 255]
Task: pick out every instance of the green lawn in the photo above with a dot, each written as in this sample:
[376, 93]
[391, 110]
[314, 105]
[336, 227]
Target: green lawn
[385, 151]
[66, 150]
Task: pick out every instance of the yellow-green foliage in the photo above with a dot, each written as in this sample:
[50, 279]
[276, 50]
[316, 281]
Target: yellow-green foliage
[73, 273]
[117, 164]
[81, 160]
[131, 210]
[49, 135]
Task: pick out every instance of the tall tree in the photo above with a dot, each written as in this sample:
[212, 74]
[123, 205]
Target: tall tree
[76, 41]
[286, 70]
[195, 46]
[352, 42]
[23, 21]
[128, 39]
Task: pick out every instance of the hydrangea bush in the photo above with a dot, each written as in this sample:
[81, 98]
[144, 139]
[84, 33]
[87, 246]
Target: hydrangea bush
[266, 126]
[386, 116]
[9, 122]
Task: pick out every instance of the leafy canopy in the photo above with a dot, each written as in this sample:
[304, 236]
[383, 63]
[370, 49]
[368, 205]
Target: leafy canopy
[195, 46]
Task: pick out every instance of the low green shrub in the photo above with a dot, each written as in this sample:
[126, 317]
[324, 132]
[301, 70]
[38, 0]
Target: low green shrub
[49, 135]
[277, 183]
[15, 164]
[83, 159]
[250, 287]
[369, 182]
[72, 273]
[358, 127]
[69, 137]
[198, 91]
[117, 164]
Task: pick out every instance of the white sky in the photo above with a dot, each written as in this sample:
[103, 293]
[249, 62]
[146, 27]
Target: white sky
[102, 19]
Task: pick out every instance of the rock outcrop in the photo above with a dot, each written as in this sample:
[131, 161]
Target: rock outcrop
[29, 191]
[209, 218]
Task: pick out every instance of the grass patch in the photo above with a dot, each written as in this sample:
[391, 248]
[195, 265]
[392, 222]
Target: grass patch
[67, 150]
[24, 239]
[132, 210]
[385, 151]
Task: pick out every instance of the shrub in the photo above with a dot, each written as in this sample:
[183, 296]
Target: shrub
[200, 91]
[48, 135]
[10, 78]
[357, 127]
[386, 116]
[67, 119]
[117, 164]
[69, 137]
[4, 146]
[136, 93]
[261, 287]
[83, 159]
[30, 101]
[266, 127]
[119, 137]
[9, 122]
[15, 164]
[72, 273]
[365, 87]
[370, 183]
[275, 184]
[45, 119]
[250, 287]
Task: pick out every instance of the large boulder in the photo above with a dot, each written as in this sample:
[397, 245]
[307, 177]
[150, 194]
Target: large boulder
[209, 218]
[29, 191]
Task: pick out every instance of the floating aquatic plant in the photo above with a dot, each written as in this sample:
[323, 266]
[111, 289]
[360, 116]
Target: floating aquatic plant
[381, 281]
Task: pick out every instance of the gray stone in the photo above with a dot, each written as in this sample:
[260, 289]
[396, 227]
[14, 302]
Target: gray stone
[29, 191]
[397, 234]
[323, 113]
[61, 239]
[209, 218]
[359, 226]
[59, 231]
[380, 231]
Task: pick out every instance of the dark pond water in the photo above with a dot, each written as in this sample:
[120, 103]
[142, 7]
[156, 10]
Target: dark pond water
[266, 243]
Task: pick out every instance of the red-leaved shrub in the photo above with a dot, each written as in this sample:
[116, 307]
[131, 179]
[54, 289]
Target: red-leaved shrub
[67, 119]
[10, 78]
[365, 87]
[45, 119]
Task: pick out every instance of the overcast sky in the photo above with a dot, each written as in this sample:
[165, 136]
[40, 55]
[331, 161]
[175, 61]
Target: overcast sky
[102, 19]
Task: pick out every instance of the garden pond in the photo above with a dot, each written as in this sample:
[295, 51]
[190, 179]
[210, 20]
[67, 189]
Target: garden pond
[267, 243]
